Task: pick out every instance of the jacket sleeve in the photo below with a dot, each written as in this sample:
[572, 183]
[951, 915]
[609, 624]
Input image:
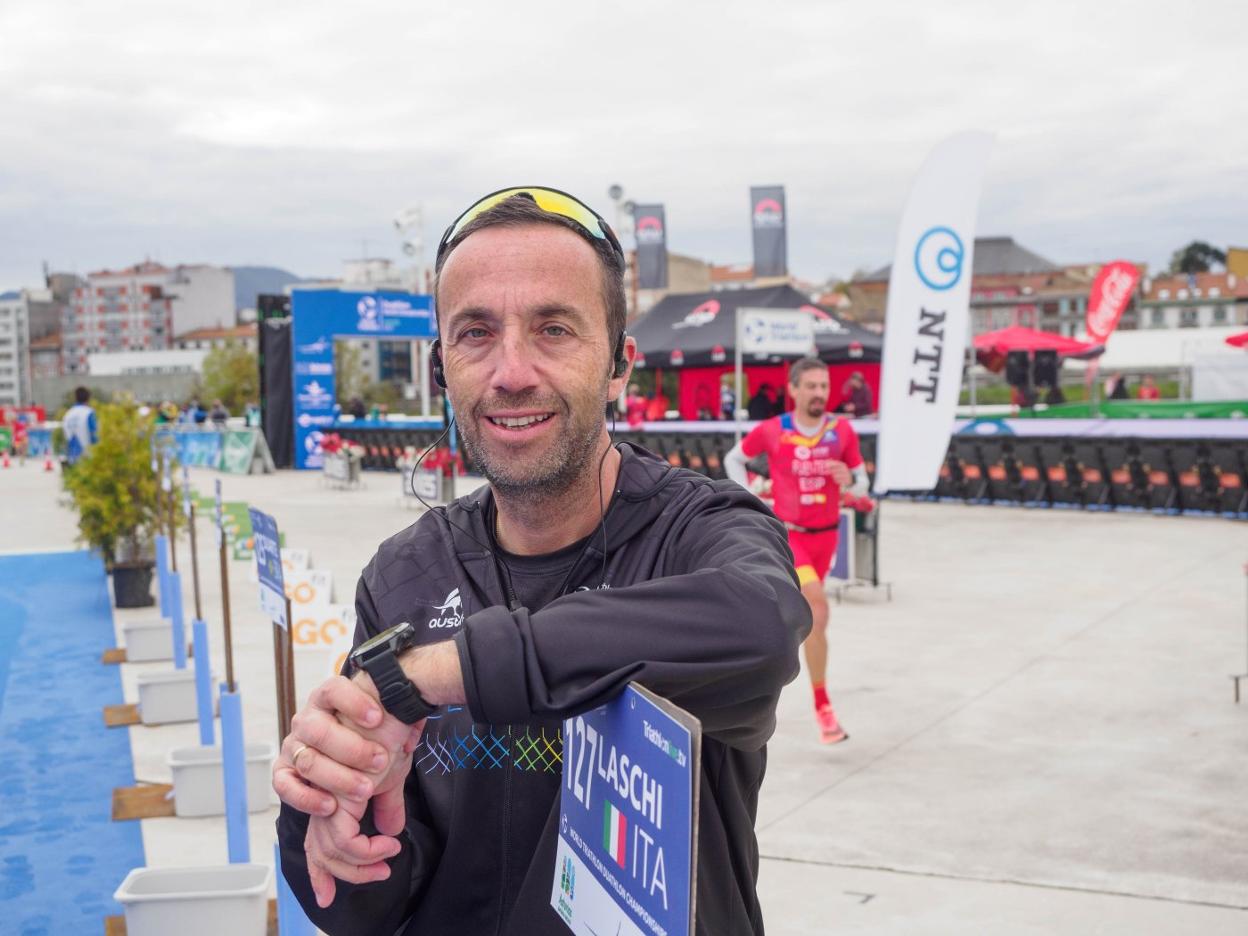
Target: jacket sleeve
[380, 907]
[716, 631]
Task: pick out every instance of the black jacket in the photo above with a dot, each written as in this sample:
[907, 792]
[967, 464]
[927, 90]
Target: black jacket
[699, 603]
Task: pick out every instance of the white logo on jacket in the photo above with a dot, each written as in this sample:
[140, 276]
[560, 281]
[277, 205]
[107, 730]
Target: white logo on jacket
[450, 612]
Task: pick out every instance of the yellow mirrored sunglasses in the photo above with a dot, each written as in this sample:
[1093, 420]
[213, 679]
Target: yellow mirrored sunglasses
[548, 199]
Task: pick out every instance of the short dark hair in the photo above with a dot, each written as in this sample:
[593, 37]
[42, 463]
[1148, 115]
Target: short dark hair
[801, 366]
[81, 394]
[520, 210]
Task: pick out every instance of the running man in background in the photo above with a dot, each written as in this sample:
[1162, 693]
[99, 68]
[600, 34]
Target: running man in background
[80, 427]
[812, 458]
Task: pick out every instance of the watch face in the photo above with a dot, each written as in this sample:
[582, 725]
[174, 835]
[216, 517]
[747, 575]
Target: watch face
[386, 640]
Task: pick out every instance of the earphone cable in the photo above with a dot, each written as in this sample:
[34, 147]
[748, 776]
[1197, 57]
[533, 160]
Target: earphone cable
[505, 572]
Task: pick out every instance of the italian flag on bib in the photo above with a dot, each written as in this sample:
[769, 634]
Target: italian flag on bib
[614, 833]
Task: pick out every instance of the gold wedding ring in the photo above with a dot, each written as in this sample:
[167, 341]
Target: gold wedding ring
[294, 759]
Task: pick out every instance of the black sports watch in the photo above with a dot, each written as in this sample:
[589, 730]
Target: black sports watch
[379, 657]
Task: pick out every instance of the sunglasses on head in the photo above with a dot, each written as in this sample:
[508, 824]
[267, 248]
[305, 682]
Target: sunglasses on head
[549, 200]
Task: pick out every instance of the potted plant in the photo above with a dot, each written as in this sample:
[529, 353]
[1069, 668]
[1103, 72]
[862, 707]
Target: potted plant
[116, 494]
[342, 458]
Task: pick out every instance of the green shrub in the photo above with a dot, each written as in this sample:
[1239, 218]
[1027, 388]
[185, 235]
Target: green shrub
[114, 489]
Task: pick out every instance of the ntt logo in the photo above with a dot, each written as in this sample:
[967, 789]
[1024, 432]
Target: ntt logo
[938, 258]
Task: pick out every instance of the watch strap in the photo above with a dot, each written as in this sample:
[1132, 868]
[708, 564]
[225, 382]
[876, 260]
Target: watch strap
[398, 694]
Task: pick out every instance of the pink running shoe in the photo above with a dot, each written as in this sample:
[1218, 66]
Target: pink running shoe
[830, 730]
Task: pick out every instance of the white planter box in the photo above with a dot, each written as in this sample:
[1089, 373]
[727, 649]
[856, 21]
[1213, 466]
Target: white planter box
[199, 781]
[148, 641]
[168, 696]
[205, 901]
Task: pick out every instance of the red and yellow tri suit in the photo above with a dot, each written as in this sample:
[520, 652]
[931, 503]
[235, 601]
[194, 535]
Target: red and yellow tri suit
[805, 495]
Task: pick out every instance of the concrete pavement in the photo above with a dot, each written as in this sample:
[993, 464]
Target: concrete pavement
[1043, 736]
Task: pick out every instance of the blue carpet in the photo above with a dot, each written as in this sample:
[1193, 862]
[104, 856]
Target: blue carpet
[61, 856]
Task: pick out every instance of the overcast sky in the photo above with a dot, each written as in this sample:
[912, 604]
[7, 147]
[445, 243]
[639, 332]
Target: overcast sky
[290, 133]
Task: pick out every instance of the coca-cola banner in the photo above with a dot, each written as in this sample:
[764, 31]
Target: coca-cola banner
[1111, 293]
[767, 216]
[650, 230]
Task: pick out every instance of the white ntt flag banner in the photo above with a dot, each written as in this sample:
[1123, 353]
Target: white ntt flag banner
[926, 326]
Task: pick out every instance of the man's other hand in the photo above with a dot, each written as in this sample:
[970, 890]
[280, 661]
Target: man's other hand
[841, 474]
[343, 750]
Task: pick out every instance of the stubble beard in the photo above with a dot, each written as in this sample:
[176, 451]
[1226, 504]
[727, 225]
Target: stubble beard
[554, 472]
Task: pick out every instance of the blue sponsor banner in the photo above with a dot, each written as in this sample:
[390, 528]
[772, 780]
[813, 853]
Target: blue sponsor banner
[202, 449]
[626, 859]
[38, 442]
[198, 447]
[318, 316]
[268, 550]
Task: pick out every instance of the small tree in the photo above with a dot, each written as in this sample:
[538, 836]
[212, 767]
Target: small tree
[114, 488]
[231, 375]
[349, 373]
[1196, 257]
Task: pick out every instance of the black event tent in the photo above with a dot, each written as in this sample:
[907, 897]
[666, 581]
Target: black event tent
[699, 329]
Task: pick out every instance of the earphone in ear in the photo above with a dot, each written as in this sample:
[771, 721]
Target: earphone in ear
[621, 362]
[435, 359]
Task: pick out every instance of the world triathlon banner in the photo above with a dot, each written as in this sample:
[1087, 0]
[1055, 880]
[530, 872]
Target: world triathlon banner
[770, 225]
[650, 230]
[318, 316]
[925, 330]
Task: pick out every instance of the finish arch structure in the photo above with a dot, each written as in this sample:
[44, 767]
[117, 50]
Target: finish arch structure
[318, 317]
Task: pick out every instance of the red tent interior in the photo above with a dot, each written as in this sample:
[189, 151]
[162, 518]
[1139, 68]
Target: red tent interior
[699, 386]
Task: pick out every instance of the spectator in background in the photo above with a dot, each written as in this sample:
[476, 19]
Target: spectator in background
[80, 427]
[21, 437]
[356, 408]
[727, 403]
[194, 413]
[656, 409]
[634, 407]
[163, 415]
[857, 401]
[252, 415]
[762, 404]
[1148, 389]
[1116, 387]
[219, 415]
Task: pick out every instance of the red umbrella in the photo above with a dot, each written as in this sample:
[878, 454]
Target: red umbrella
[1238, 341]
[1017, 338]
[992, 347]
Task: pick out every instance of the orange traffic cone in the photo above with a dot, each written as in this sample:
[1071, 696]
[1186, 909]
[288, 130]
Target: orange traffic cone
[47, 461]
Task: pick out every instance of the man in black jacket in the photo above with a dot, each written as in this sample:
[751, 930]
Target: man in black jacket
[583, 566]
